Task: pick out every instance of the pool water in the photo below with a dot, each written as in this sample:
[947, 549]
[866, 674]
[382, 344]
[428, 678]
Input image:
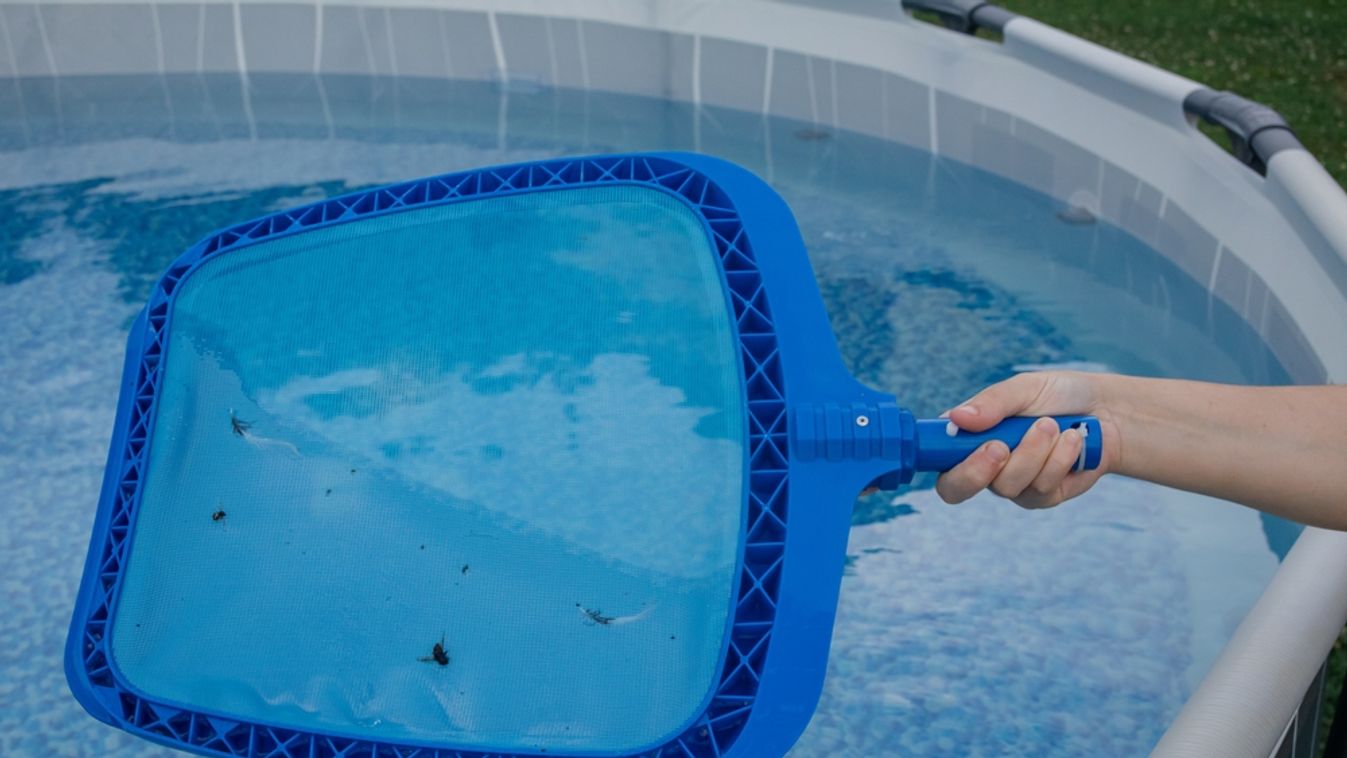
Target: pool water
[980, 629]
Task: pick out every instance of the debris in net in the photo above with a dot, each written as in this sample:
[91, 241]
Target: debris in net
[437, 654]
[243, 429]
[595, 616]
[239, 426]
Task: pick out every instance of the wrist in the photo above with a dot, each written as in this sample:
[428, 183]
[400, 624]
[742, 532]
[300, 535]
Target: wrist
[1114, 406]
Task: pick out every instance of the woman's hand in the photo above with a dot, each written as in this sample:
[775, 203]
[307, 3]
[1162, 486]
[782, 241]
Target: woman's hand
[1039, 473]
[1277, 449]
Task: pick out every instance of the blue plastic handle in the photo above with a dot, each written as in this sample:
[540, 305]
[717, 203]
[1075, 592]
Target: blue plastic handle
[938, 450]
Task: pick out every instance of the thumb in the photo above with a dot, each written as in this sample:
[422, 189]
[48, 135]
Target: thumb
[1019, 395]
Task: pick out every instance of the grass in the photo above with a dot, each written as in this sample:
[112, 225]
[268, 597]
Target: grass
[1333, 680]
[1288, 54]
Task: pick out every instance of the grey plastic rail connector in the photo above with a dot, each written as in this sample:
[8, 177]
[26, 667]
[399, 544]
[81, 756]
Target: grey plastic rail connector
[1256, 131]
[965, 16]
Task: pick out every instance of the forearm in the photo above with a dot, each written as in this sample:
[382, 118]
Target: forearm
[1279, 449]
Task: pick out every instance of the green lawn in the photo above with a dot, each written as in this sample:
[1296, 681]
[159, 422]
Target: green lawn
[1289, 54]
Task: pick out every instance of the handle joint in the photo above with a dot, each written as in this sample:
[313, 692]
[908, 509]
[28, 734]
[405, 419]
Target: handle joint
[856, 432]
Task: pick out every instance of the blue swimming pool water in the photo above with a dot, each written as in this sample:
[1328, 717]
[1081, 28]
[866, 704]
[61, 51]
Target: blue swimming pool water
[976, 630]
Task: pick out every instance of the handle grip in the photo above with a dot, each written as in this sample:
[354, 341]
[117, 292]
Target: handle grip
[938, 450]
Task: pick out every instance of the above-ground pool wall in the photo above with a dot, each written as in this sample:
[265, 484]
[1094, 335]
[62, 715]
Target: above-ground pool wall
[1021, 110]
[1084, 126]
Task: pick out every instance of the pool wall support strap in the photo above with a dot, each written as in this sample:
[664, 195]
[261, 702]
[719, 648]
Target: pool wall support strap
[1256, 131]
[1254, 688]
[965, 16]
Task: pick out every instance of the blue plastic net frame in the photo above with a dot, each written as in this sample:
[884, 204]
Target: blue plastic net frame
[105, 693]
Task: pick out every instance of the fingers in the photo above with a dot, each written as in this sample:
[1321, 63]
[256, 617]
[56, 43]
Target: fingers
[1077, 482]
[1039, 473]
[1013, 397]
[1028, 460]
[973, 475]
[1047, 487]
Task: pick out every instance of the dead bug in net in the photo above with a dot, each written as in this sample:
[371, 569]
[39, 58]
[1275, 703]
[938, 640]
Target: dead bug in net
[218, 515]
[238, 426]
[437, 654]
[464, 571]
[595, 616]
